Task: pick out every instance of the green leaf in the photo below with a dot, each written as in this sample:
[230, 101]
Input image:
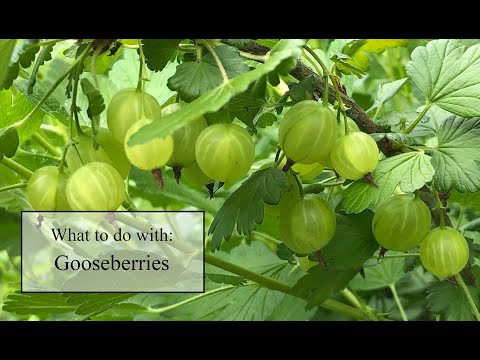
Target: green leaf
[387, 91]
[36, 304]
[24, 55]
[124, 73]
[397, 137]
[193, 79]
[410, 171]
[244, 207]
[335, 48]
[457, 159]
[353, 242]
[44, 55]
[267, 42]
[303, 90]
[147, 188]
[319, 284]
[347, 65]
[396, 121]
[473, 225]
[6, 51]
[8, 142]
[288, 63]
[245, 106]
[284, 253]
[246, 302]
[95, 99]
[428, 128]
[476, 273]
[469, 200]
[215, 99]
[103, 63]
[10, 239]
[358, 49]
[226, 279]
[291, 309]
[266, 119]
[13, 109]
[380, 275]
[90, 305]
[238, 43]
[447, 73]
[450, 301]
[52, 106]
[409, 263]
[158, 52]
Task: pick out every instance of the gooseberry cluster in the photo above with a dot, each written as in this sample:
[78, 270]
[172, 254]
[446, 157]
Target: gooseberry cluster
[311, 139]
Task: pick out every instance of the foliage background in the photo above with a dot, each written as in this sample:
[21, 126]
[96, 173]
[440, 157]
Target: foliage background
[228, 297]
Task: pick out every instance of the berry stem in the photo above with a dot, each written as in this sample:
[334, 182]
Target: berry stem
[49, 42]
[259, 58]
[52, 88]
[473, 306]
[14, 186]
[95, 56]
[397, 300]
[460, 217]
[128, 203]
[394, 256]
[299, 184]
[212, 52]
[356, 301]
[278, 158]
[43, 156]
[142, 77]
[288, 165]
[16, 167]
[322, 70]
[44, 143]
[441, 209]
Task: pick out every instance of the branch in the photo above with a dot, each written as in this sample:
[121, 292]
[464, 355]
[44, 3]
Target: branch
[366, 124]
[357, 114]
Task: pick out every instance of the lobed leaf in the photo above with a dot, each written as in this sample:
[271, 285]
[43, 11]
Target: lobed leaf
[216, 98]
[410, 171]
[244, 207]
[447, 73]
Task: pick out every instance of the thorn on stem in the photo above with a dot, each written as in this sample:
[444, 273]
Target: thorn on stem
[157, 175]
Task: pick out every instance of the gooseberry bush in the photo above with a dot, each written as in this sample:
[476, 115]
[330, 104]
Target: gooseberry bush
[340, 178]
